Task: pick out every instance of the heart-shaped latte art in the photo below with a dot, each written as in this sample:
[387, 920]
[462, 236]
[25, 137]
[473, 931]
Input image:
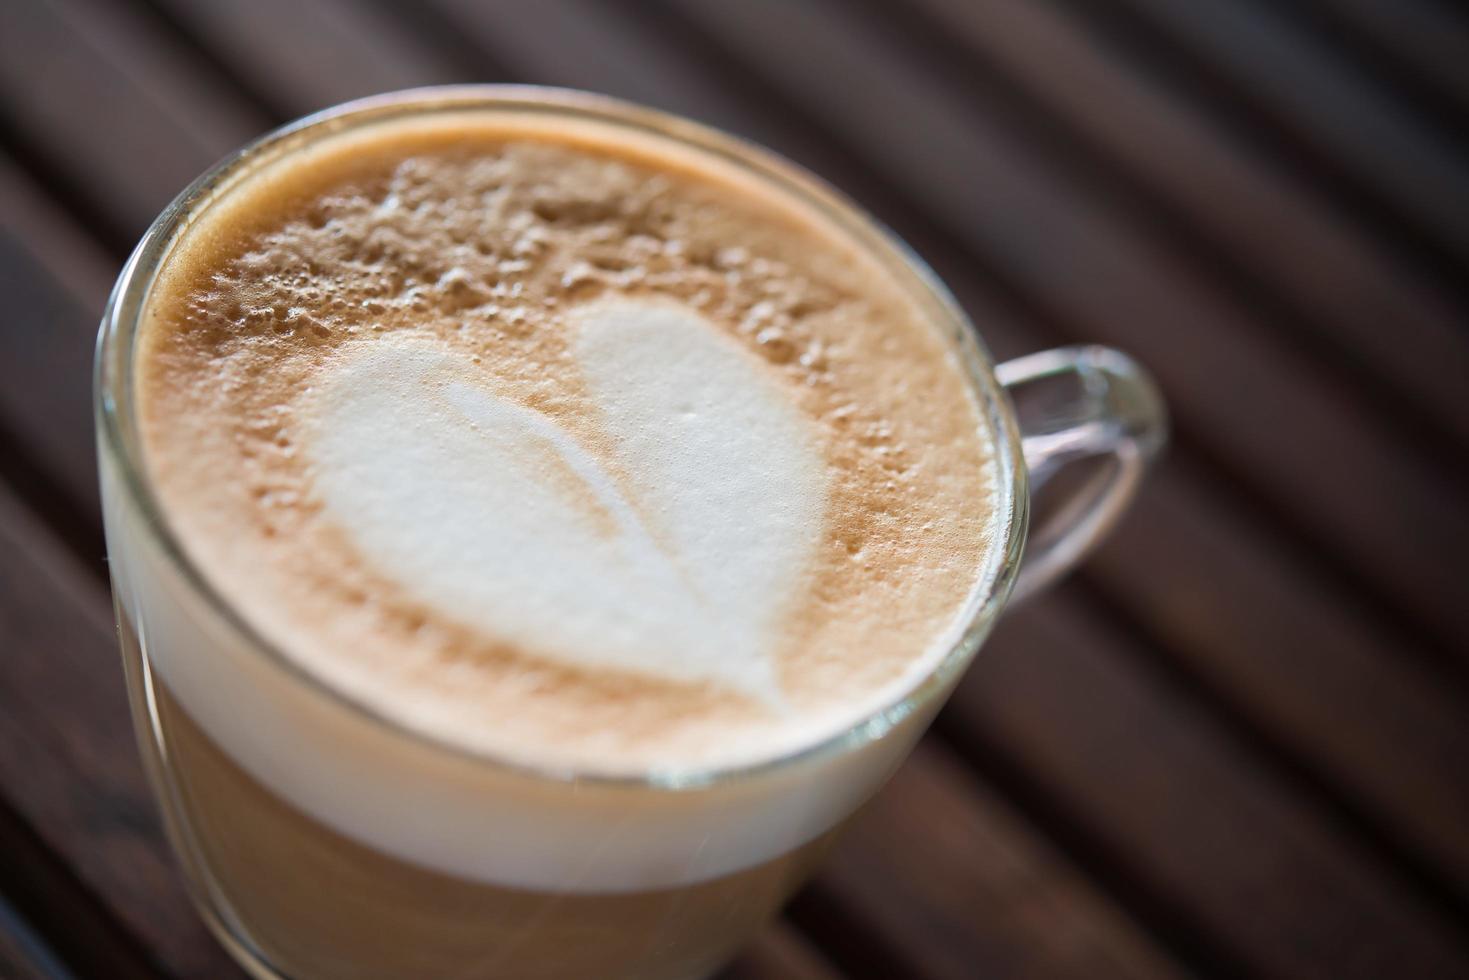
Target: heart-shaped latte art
[673, 553]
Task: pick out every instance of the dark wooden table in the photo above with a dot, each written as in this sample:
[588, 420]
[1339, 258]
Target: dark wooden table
[1236, 744]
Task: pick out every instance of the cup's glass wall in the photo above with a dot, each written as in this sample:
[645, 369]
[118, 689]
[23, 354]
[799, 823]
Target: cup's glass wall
[321, 840]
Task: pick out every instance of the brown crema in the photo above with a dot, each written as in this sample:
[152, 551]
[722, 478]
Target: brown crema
[483, 238]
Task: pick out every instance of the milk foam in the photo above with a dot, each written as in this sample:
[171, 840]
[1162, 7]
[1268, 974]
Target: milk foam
[562, 445]
[564, 454]
[667, 550]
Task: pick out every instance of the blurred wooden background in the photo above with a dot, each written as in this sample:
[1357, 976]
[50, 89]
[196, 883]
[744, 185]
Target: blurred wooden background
[1236, 744]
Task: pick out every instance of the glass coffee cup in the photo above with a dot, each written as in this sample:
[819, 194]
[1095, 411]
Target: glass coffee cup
[323, 839]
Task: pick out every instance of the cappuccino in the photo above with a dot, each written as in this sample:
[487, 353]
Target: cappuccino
[586, 487]
[566, 452]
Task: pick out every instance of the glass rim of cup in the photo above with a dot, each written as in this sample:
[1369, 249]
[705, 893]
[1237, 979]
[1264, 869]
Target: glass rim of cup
[113, 380]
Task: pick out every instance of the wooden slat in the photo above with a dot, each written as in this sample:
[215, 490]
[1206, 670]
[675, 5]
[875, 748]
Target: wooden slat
[621, 51]
[72, 258]
[62, 914]
[48, 335]
[1344, 288]
[1220, 841]
[1325, 460]
[933, 869]
[1379, 728]
[300, 57]
[1300, 662]
[15, 964]
[781, 953]
[67, 757]
[54, 422]
[124, 120]
[1426, 38]
[1339, 115]
[23, 955]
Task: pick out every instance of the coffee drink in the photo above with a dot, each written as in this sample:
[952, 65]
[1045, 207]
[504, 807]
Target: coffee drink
[586, 487]
[313, 902]
[560, 451]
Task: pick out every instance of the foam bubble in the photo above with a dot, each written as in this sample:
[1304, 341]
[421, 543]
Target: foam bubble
[666, 549]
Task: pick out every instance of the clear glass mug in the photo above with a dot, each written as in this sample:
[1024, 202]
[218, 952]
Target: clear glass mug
[320, 839]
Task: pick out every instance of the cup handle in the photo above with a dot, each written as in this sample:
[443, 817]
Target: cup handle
[1074, 404]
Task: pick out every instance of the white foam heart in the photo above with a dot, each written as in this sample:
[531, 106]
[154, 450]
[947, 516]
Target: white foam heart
[495, 515]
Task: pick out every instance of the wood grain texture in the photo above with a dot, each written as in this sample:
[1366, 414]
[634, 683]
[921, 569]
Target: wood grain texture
[1340, 116]
[299, 57]
[1426, 40]
[946, 874]
[55, 281]
[1337, 285]
[1299, 661]
[62, 917]
[1221, 841]
[67, 757]
[23, 955]
[86, 82]
[781, 952]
